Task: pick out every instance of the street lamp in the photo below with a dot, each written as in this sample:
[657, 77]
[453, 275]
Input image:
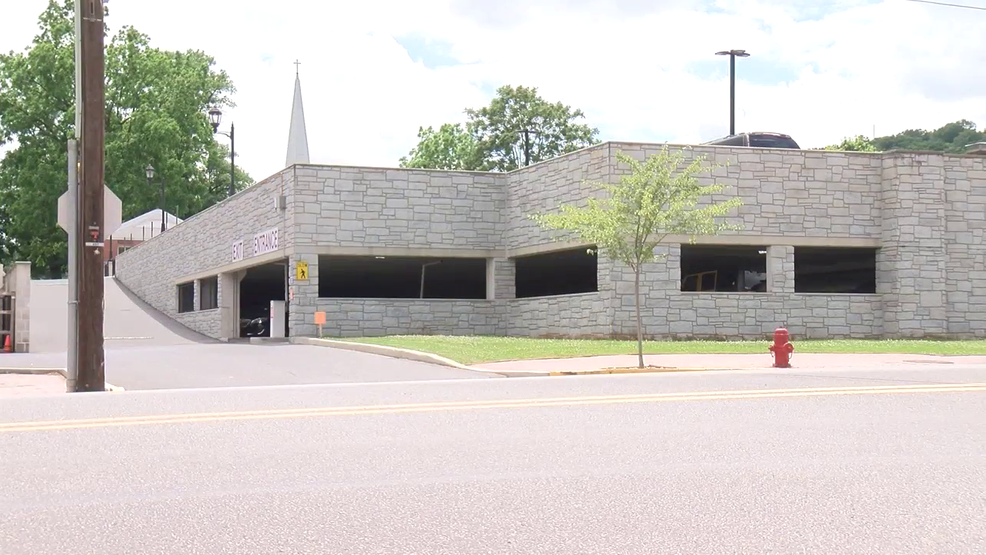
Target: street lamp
[149, 172]
[733, 54]
[215, 117]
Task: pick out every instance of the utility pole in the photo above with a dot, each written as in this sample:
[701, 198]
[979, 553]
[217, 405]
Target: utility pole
[90, 232]
[732, 84]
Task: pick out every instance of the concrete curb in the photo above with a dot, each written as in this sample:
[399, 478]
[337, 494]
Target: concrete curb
[60, 371]
[406, 354]
[668, 370]
[420, 356]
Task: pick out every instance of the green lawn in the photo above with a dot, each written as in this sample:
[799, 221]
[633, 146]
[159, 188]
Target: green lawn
[476, 349]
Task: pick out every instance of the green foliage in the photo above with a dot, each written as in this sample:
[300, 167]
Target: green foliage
[449, 148]
[952, 137]
[156, 102]
[859, 143]
[517, 129]
[656, 199]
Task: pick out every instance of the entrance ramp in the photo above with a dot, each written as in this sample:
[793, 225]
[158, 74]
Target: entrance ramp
[127, 321]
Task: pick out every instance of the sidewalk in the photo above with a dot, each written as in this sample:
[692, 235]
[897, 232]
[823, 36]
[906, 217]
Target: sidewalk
[30, 385]
[807, 361]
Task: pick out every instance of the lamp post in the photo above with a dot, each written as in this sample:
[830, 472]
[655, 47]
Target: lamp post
[149, 172]
[215, 117]
[733, 54]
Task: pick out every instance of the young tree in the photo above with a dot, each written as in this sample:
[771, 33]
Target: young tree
[657, 198]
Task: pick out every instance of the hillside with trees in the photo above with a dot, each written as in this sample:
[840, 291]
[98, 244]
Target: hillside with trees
[952, 137]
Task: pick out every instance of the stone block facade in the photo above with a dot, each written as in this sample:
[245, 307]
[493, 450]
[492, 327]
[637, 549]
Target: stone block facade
[201, 247]
[925, 213]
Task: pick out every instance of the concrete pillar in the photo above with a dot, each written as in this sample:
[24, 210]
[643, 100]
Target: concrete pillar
[503, 272]
[780, 269]
[229, 304]
[911, 265]
[19, 283]
[302, 296]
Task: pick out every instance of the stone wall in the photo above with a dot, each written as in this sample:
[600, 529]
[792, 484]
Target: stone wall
[964, 236]
[376, 317]
[784, 192]
[927, 211]
[202, 244]
[545, 186]
[578, 315]
[358, 207]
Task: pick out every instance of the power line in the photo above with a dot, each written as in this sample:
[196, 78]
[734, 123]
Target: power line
[949, 5]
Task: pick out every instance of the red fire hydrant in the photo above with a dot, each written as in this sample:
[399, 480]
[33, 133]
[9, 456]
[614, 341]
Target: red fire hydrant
[781, 349]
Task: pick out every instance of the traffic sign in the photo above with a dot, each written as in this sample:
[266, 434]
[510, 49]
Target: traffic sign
[301, 270]
[112, 212]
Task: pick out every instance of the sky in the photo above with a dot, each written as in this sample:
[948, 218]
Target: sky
[373, 71]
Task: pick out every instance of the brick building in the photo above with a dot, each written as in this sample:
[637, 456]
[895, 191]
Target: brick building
[834, 244]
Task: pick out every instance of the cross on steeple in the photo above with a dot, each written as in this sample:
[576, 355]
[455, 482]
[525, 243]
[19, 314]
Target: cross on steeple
[296, 64]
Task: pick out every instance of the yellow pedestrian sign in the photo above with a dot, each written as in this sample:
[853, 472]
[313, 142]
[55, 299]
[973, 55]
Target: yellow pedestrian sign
[301, 270]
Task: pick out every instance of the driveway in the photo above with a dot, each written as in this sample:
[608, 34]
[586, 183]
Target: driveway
[147, 350]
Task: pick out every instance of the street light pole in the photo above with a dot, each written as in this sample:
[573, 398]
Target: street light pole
[732, 84]
[149, 172]
[215, 118]
[232, 159]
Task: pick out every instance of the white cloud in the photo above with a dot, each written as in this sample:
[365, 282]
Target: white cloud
[892, 64]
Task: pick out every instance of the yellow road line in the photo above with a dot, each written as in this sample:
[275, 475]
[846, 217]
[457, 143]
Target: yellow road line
[475, 405]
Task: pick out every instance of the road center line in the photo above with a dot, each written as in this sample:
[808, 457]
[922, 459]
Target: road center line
[112, 422]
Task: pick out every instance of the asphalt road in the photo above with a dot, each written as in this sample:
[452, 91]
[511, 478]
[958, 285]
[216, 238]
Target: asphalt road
[746, 462]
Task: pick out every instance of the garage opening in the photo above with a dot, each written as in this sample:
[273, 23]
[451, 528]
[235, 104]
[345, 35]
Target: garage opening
[401, 277]
[723, 268]
[261, 285]
[834, 270]
[557, 273]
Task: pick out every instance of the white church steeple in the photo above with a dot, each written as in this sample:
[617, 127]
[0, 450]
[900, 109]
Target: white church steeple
[297, 135]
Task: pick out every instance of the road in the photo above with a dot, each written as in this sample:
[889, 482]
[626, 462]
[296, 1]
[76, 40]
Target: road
[147, 350]
[699, 463]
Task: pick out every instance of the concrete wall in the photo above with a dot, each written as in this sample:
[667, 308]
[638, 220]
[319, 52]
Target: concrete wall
[201, 246]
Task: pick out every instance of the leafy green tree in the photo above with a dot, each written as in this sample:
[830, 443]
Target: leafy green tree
[657, 198]
[449, 148]
[517, 129]
[156, 103]
[859, 143]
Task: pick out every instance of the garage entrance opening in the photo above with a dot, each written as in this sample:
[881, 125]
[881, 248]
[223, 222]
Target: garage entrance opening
[401, 277]
[260, 286]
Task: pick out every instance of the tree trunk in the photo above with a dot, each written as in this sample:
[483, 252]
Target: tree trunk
[640, 326]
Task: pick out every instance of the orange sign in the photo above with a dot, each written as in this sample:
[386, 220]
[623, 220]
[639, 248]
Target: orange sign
[320, 318]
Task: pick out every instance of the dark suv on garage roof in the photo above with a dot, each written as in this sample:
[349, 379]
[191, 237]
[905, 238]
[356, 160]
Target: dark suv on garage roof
[758, 140]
